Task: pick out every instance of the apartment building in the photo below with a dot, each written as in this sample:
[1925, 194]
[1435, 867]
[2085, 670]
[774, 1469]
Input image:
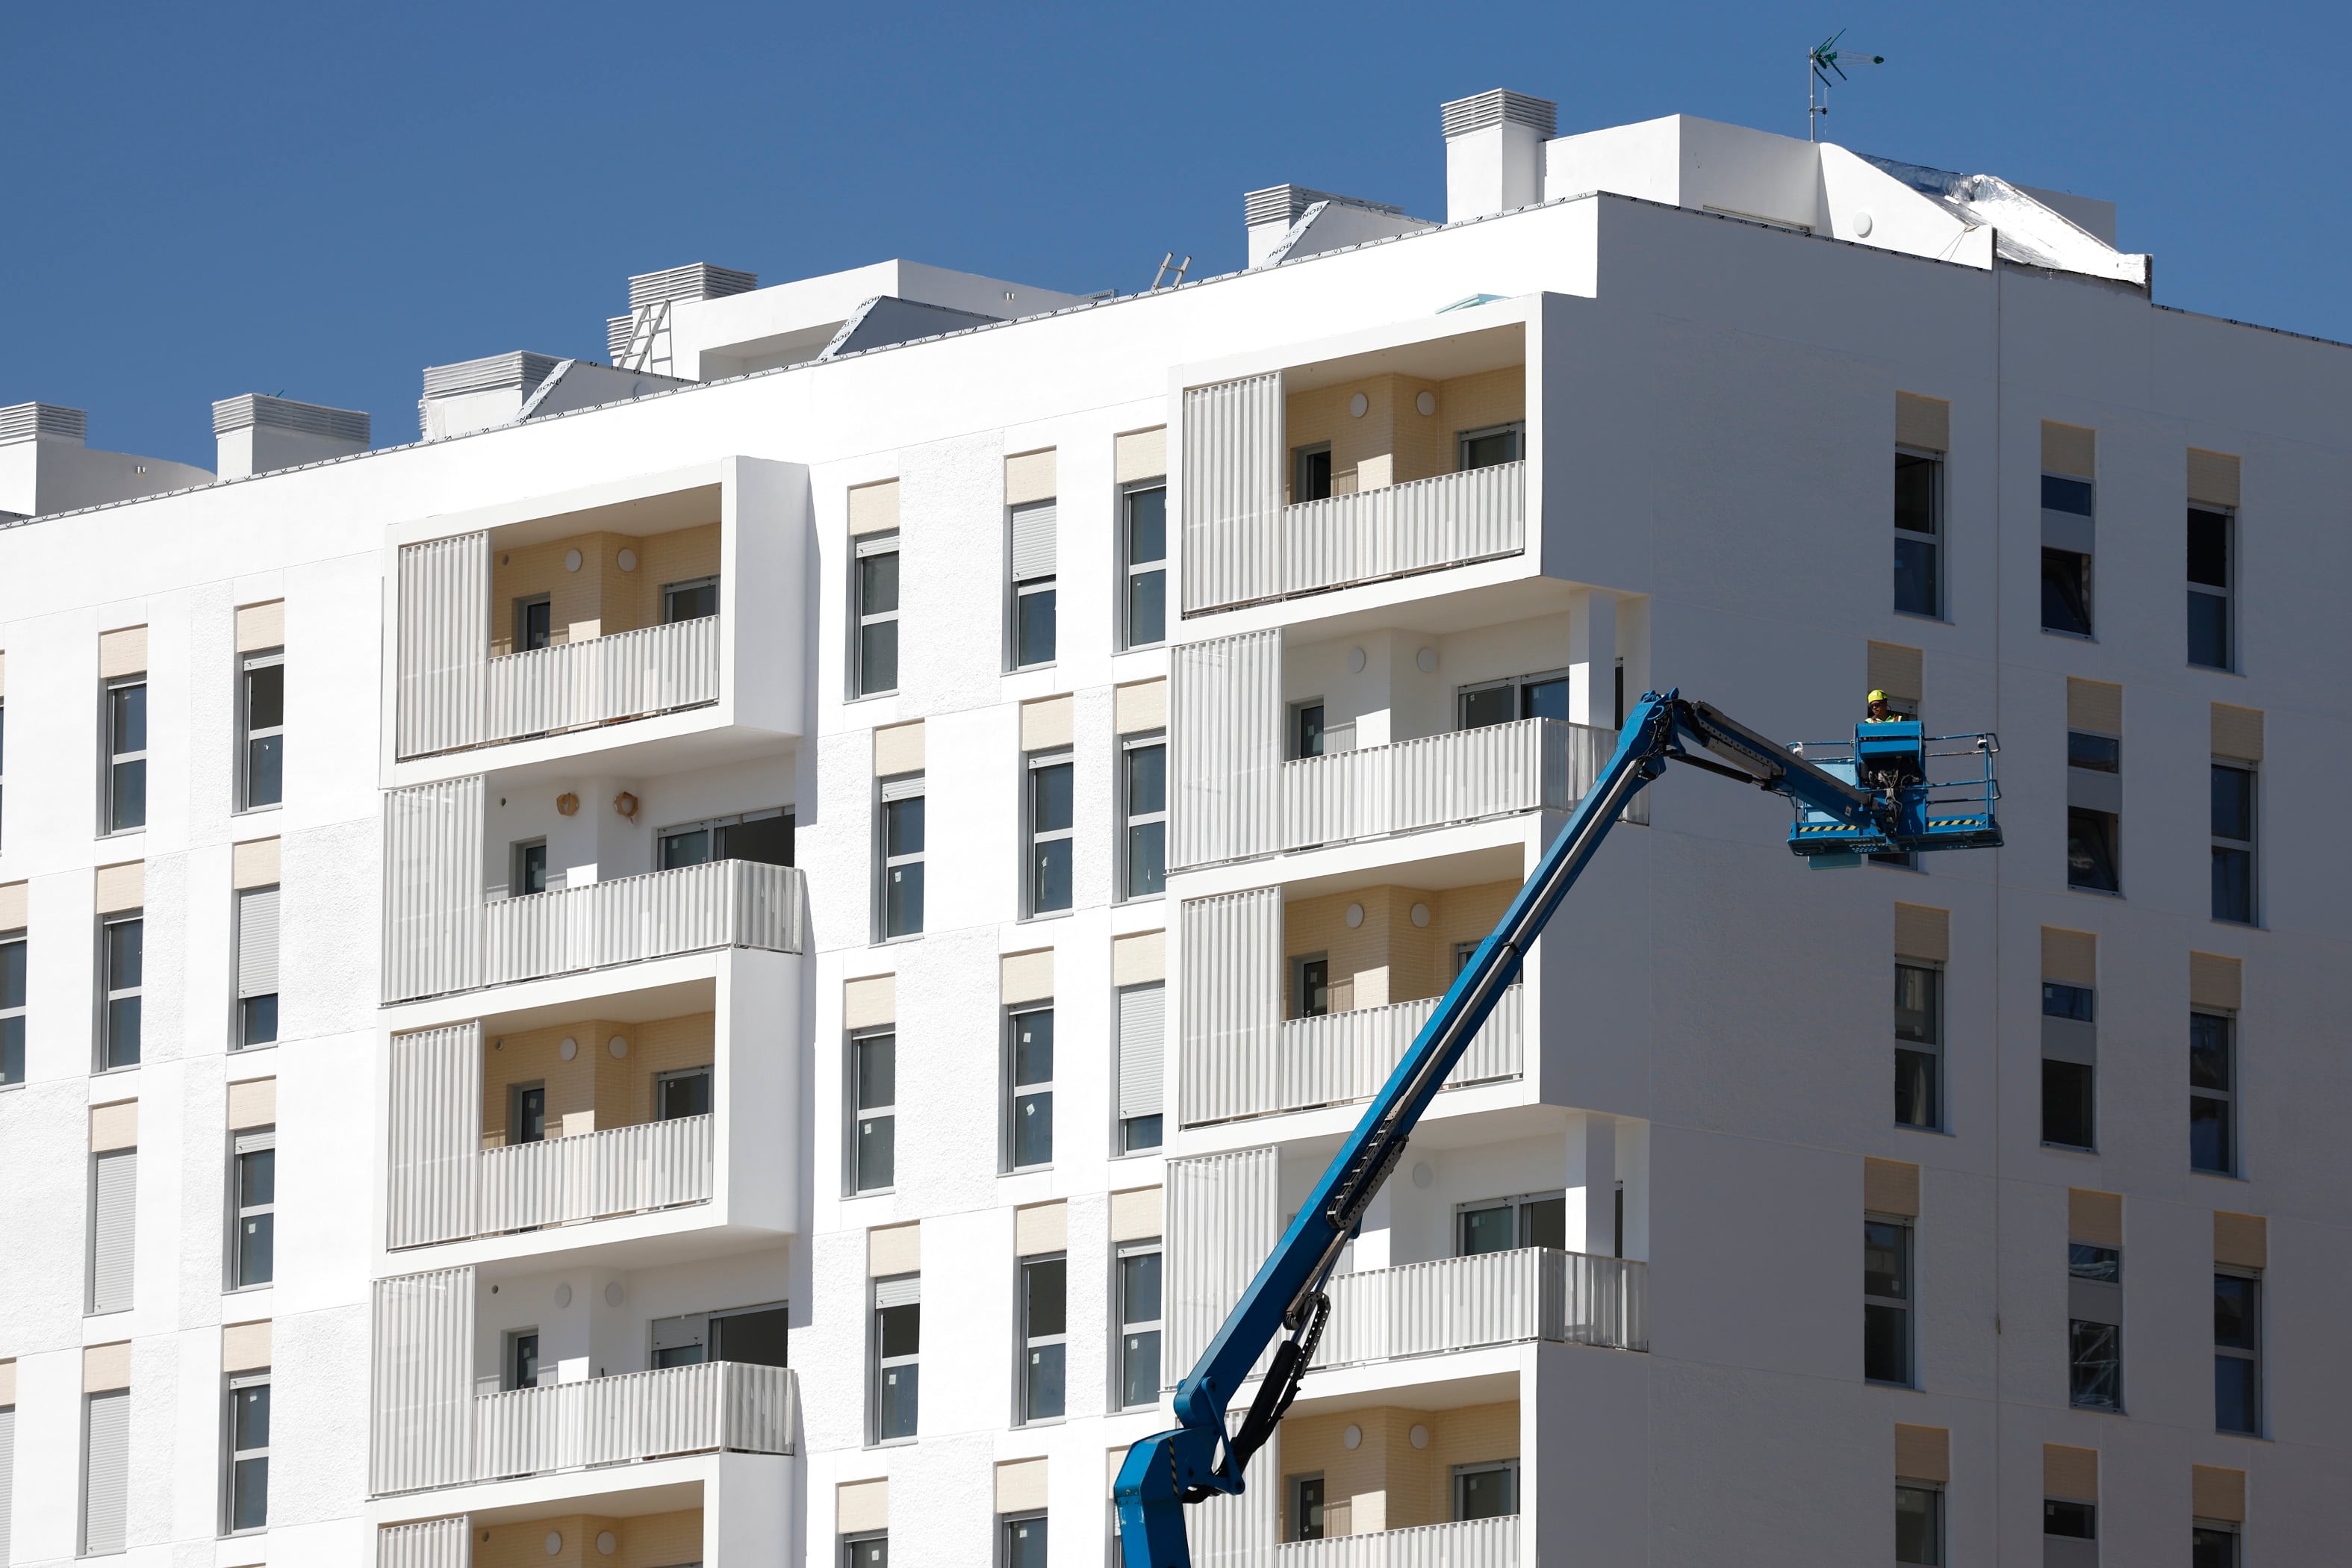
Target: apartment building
[528, 836]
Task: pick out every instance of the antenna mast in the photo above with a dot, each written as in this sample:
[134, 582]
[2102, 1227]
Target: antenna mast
[1820, 60]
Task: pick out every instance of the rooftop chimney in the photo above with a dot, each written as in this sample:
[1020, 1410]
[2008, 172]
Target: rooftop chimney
[1493, 152]
[640, 340]
[45, 466]
[258, 433]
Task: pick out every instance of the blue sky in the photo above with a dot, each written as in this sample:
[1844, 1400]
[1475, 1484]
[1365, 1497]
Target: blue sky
[321, 200]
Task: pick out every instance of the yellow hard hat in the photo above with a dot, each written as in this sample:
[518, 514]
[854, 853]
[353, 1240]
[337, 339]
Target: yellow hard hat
[1878, 697]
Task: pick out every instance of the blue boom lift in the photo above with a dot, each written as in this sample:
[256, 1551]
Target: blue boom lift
[1874, 796]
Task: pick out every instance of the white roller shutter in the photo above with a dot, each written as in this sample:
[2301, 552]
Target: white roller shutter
[257, 942]
[1034, 530]
[114, 1201]
[1143, 1049]
[906, 1292]
[106, 1472]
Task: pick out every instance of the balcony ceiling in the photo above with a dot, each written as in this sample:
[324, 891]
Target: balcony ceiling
[644, 514]
[1436, 358]
[1471, 609]
[622, 1007]
[1432, 873]
[592, 1499]
[1391, 1390]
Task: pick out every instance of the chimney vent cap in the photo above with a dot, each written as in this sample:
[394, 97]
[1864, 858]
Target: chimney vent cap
[696, 280]
[1500, 107]
[24, 421]
[253, 409]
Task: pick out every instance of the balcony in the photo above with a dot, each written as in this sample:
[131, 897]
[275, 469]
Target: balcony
[1535, 1294]
[605, 680]
[1339, 1058]
[644, 1528]
[717, 1405]
[1471, 1543]
[724, 903]
[1498, 770]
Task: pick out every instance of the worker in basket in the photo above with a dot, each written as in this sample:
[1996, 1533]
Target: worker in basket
[1893, 761]
[1879, 712]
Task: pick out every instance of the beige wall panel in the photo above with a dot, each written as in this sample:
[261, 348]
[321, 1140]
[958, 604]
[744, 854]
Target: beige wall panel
[245, 1347]
[1048, 724]
[1140, 455]
[2215, 982]
[1923, 1453]
[894, 1249]
[253, 1102]
[1890, 1186]
[1923, 422]
[15, 906]
[122, 652]
[899, 750]
[2242, 1240]
[106, 1367]
[1900, 672]
[114, 1126]
[1041, 1227]
[1135, 1215]
[2217, 1493]
[261, 626]
[2094, 705]
[254, 864]
[2069, 449]
[2094, 1217]
[1027, 977]
[2069, 957]
[1020, 1486]
[123, 887]
[2069, 1472]
[1139, 959]
[870, 1003]
[2238, 732]
[1923, 933]
[874, 509]
[1030, 476]
[2212, 478]
[1142, 706]
[861, 1506]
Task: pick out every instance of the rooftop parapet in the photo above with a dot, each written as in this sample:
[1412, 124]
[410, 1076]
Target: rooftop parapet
[1286, 221]
[509, 388]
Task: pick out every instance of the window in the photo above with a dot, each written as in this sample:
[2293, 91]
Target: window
[1306, 729]
[692, 600]
[1311, 986]
[1918, 533]
[256, 967]
[681, 1094]
[1142, 1055]
[898, 1356]
[252, 1259]
[1499, 1224]
[2066, 535]
[1045, 1336]
[528, 868]
[2211, 560]
[1307, 1508]
[765, 836]
[248, 1453]
[902, 858]
[2212, 1094]
[1464, 952]
[751, 1336]
[2068, 1520]
[1033, 595]
[123, 941]
[2233, 842]
[2237, 1353]
[2094, 804]
[261, 702]
[521, 1368]
[1310, 473]
[534, 623]
[126, 751]
[874, 1111]
[105, 1472]
[1029, 1089]
[1886, 1301]
[1521, 697]
[527, 1113]
[1020, 1541]
[1051, 815]
[2069, 1066]
[1144, 799]
[865, 1550]
[1494, 445]
[877, 615]
[113, 1229]
[1489, 1490]
[1918, 1046]
[2094, 1335]
[1918, 1524]
[12, 951]
[2213, 1543]
[1146, 564]
[1139, 1325]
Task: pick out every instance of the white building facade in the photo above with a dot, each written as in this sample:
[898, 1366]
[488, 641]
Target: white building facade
[749, 944]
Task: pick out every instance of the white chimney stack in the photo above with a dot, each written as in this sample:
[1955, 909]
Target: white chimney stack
[258, 433]
[1494, 151]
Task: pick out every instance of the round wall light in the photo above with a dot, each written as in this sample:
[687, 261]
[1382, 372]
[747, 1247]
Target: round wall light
[562, 1297]
[1427, 660]
[1355, 661]
[1861, 225]
[607, 1543]
[1420, 914]
[1427, 402]
[569, 1049]
[1355, 916]
[1419, 1435]
[1353, 1438]
[626, 559]
[614, 1294]
[554, 1542]
[618, 1046]
[1423, 1175]
[1358, 405]
[572, 560]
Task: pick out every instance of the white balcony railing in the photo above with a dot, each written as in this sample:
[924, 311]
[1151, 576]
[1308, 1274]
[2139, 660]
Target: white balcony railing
[616, 1171]
[1493, 771]
[1342, 1057]
[600, 681]
[1472, 1543]
[726, 903]
[1389, 531]
[1493, 1299]
[635, 1415]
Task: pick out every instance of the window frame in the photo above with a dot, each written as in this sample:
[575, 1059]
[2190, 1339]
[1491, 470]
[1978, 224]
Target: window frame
[244, 1013]
[1294, 730]
[1026, 1389]
[1019, 589]
[1014, 1091]
[2254, 1354]
[865, 548]
[1520, 1204]
[1301, 459]
[712, 824]
[850, 1544]
[524, 604]
[2226, 592]
[686, 585]
[1906, 1304]
[1518, 685]
[1931, 541]
[1007, 1524]
[2083, 1270]
[249, 734]
[115, 759]
[1514, 428]
[2223, 1528]
[515, 1093]
[879, 1363]
[898, 792]
[108, 995]
[518, 858]
[1933, 1493]
[2226, 1097]
[1297, 964]
[2086, 582]
[708, 1072]
[1127, 1328]
[1034, 838]
[243, 1143]
[1132, 569]
[853, 1087]
[1294, 1506]
[233, 1457]
[1129, 819]
[1931, 1048]
[2113, 831]
[510, 1347]
[1508, 1467]
[2249, 846]
[1125, 1129]
[19, 1012]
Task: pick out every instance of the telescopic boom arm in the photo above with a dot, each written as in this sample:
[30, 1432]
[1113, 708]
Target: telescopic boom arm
[1202, 1457]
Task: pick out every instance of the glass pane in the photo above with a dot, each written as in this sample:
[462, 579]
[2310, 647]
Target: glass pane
[1035, 644]
[1033, 1129]
[1315, 988]
[878, 583]
[1488, 705]
[2065, 591]
[2100, 753]
[1311, 476]
[1146, 780]
[1916, 1075]
[2233, 1311]
[691, 847]
[1914, 577]
[1139, 1369]
[128, 708]
[531, 869]
[1307, 1525]
[2233, 885]
[530, 1116]
[1024, 1543]
[2094, 1365]
[1146, 608]
[265, 770]
[690, 603]
[258, 1020]
[1050, 797]
[1543, 1222]
[256, 1235]
[2209, 630]
[1051, 890]
[265, 697]
[1915, 1011]
[2209, 1051]
[1138, 1287]
[126, 942]
[2074, 1521]
[1487, 450]
[2234, 1394]
[1044, 1382]
[877, 1151]
[873, 1554]
[2065, 495]
[1047, 1285]
[1544, 698]
[1886, 1344]
[526, 1361]
[250, 1422]
[2233, 803]
[12, 1050]
[2085, 1261]
[877, 1072]
[1886, 1264]
[2211, 1548]
[2091, 851]
[1483, 1494]
[1307, 730]
[537, 617]
[2067, 1104]
[1137, 1133]
[127, 799]
[1917, 1538]
[122, 1032]
[1033, 1048]
[1146, 526]
[249, 1502]
[12, 974]
[2209, 1134]
[2066, 1002]
[1147, 859]
[1915, 492]
[903, 829]
[902, 1331]
[2209, 548]
[877, 658]
[754, 1339]
[902, 901]
[256, 1174]
[901, 1386]
[1488, 1230]
[765, 839]
[688, 1094]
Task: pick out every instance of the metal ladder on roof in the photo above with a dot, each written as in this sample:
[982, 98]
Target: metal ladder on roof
[651, 323]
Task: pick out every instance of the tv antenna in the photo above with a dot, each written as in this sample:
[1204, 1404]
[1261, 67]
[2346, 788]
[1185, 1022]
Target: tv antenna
[1825, 60]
